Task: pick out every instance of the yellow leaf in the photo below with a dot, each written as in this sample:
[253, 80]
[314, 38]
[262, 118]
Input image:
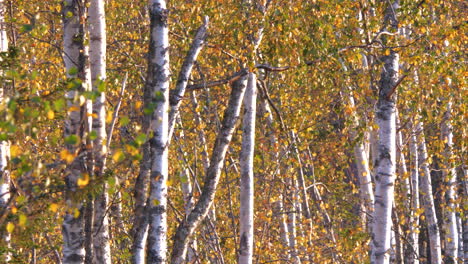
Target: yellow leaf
[156, 202]
[74, 108]
[76, 213]
[10, 227]
[53, 207]
[83, 180]
[15, 150]
[118, 156]
[387, 52]
[14, 210]
[67, 156]
[50, 114]
[22, 219]
[138, 105]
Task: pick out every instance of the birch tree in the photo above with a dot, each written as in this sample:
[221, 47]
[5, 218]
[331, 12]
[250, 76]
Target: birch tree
[246, 218]
[428, 198]
[450, 178]
[158, 82]
[4, 144]
[386, 161]
[75, 58]
[97, 54]
[412, 254]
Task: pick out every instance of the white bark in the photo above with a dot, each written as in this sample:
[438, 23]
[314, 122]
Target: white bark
[362, 164]
[386, 162]
[413, 246]
[97, 54]
[73, 227]
[450, 178]
[158, 81]
[428, 199]
[247, 175]
[4, 145]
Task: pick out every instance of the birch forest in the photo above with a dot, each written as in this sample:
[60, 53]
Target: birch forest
[233, 131]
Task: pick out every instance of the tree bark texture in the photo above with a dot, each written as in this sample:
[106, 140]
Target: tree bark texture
[450, 179]
[247, 174]
[73, 38]
[158, 82]
[97, 55]
[386, 161]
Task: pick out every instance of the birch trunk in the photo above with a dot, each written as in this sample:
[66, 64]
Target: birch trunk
[386, 160]
[97, 54]
[75, 58]
[158, 82]
[465, 221]
[247, 175]
[186, 229]
[450, 178]
[292, 219]
[412, 255]
[362, 164]
[4, 144]
[184, 75]
[428, 199]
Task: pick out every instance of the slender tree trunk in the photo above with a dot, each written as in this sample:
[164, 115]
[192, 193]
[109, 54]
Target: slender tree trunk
[158, 82]
[247, 175]
[186, 229]
[187, 192]
[4, 144]
[465, 220]
[293, 210]
[76, 127]
[362, 164]
[184, 75]
[428, 199]
[97, 54]
[412, 254]
[450, 178]
[140, 218]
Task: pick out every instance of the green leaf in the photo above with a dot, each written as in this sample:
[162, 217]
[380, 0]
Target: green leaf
[140, 139]
[124, 121]
[101, 86]
[93, 135]
[59, 104]
[26, 28]
[73, 71]
[72, 139]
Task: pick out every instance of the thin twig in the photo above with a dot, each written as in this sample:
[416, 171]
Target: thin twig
[116, 112]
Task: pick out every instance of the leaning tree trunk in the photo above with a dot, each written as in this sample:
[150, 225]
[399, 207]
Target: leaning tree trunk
[186, 229]
[97, 54]
[247, 176]
[428, 199]
[450, 178]
[158, 82]
[386, 160]
[4, 144]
